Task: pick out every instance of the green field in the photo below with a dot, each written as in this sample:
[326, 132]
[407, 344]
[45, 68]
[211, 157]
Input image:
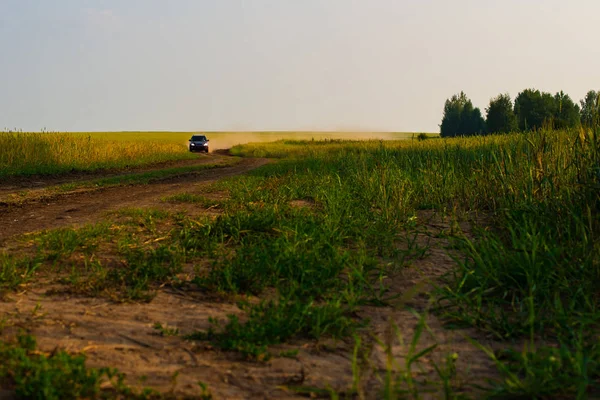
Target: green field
[309, 242]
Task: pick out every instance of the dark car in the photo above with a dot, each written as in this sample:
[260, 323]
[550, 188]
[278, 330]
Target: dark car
[199, 143]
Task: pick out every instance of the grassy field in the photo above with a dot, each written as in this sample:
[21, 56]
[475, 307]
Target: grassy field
[530, 271]
[56, 153]
[309, 241]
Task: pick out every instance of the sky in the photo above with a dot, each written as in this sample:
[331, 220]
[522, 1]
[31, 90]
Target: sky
[320, 65]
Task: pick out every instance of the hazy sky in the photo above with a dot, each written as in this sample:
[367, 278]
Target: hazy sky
[282, 64]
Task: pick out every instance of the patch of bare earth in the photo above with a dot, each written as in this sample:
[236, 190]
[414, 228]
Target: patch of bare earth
[394, 327]
[123, 336]
[301, 203]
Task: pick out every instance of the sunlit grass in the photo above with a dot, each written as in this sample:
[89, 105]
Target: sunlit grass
[57, 153]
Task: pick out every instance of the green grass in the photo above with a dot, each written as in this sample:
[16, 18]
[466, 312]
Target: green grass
[569, 370]
[114, 260]
[15, 271]
[276, 322]
[61, 243]
[59, 375]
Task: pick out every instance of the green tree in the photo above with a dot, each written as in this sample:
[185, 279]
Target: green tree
[500, 116]
[566, 112]
[475, 124]
[534, 109]
[461, 118]
[590, 109]
[464, 128]
[451, 120]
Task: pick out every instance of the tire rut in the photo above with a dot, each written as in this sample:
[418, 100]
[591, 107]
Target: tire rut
[86, 207]
[16, 184]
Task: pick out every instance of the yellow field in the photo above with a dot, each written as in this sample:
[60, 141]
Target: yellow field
[25, 153]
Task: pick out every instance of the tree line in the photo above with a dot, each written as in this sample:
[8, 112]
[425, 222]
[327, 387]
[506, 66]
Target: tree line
[530, 111]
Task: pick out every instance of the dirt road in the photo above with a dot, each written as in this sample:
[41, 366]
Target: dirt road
[83, 207]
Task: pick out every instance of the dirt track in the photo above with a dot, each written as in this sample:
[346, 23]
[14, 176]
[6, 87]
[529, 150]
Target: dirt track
[15, 184]
[87, 206]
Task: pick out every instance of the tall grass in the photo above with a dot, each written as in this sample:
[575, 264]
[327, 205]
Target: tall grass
[476, 173]
[55, 153]
[533, 267]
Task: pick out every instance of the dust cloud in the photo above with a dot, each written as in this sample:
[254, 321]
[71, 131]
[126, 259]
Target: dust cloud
[226, 140]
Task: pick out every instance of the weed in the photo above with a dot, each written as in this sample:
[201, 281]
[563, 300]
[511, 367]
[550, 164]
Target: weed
[15, 272]
[194, 199]
[142, 268]
[404, 382]
[132, 275]
[205, 393]
[272, 323]
[58, 375]
[289, 353]
[164, 330]
[565, 371]
[60, 243]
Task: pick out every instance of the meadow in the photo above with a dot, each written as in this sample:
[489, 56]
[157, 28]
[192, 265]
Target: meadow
[307, 245]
